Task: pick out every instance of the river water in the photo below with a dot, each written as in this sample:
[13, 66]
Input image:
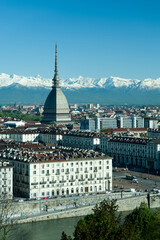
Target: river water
[45, 230]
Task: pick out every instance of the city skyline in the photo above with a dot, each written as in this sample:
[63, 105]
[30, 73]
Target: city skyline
[95, 39]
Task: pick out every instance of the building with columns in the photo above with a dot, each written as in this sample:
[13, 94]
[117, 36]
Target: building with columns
[134, 151]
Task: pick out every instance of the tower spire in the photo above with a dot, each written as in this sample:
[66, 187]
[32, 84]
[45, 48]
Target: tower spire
[56, 77]
[56, 66]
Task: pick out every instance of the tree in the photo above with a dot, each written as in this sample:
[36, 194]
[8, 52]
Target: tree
[8, 223]
[103, 224]
[65, 237]
[137, 224]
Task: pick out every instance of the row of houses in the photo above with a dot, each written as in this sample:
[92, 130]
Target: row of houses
[126, 150]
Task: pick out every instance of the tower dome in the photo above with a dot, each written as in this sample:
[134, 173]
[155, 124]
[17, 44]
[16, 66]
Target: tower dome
[56, 107]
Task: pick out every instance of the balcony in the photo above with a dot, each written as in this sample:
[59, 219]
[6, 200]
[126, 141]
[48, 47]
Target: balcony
[34, 183]
[47, 174]
[67, 172]
[107, 177]
[82, 179]
[62, 181]
[71, 180]
[52, 182]
[43, 182]
[90, 179]
[100, 178]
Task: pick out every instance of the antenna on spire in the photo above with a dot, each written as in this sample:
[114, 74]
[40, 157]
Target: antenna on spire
[56, 66]
[56, 77]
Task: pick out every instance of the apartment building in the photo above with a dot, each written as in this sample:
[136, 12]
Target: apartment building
[20, 135]
[154, 133]
[138, 152]
[81, 139]
[53, 172]
[6, 180]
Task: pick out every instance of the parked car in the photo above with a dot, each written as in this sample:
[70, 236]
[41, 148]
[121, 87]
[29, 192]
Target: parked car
[135, 181]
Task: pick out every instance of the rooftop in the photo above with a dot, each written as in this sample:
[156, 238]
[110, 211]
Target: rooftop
[38, 153]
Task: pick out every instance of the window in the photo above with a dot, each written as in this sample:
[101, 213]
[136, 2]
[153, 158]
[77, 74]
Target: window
[42, 171]
[34, 166]
[34, 172]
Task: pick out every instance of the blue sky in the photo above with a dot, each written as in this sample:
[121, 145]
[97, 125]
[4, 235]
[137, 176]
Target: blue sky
[97, 38]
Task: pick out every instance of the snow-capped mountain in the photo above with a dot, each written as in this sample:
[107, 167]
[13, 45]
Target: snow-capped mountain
[80, 82]
[109, 90]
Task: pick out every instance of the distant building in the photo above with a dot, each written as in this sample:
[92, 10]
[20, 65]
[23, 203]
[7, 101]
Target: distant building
[88, 124]
[105, 123]
[130, 122]
[151, 123]
[56, 107]
[98, 123]
[14, 124]
[81, 139]
[154, 133]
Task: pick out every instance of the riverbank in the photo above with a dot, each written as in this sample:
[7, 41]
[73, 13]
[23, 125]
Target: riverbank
[127, 203]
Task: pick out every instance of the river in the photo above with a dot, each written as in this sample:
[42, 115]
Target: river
[45, 230]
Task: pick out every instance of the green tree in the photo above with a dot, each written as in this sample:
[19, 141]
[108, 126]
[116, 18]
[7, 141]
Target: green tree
[103, 224]
[154, 230]
[137, 224]
[65, 237]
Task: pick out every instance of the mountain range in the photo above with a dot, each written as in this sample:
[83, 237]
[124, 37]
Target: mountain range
[109, 90]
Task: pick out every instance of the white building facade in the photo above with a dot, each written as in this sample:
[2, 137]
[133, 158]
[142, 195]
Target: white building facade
[73, 175]
[138, 152]
[6, 180]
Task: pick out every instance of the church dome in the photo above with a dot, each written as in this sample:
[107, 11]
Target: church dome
[56, 107]
[56, 101]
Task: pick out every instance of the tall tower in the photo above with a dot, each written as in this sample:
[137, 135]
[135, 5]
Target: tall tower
[56, 106]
